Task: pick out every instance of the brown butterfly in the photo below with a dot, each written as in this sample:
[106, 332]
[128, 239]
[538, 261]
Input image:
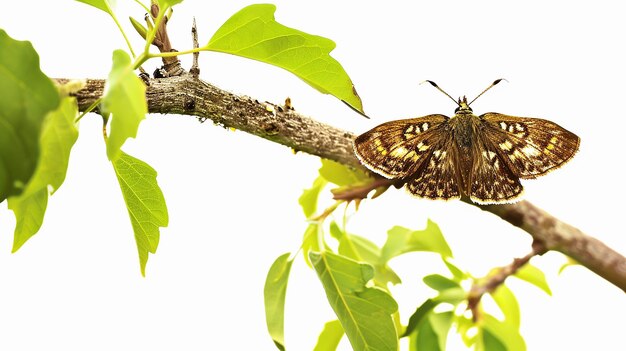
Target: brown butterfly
[480, 157]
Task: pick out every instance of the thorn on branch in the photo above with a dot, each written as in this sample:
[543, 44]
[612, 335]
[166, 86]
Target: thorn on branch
[195, 69]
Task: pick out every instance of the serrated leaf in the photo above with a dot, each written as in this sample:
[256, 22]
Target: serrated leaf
[439, 282]
[401, 240]
[104, 5]
[254, 33]
[58, 135]
[534, 276]
[506, 334]
[433, 332]
[144, 201]
[341, 175]
[274, 292]
[364, 312]
[26, 97]
[329, 337]
[507, 302]
[308, 199]
[125, 98]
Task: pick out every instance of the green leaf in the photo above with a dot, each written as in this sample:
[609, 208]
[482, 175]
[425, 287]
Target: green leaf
[570, 262]
[439, 282]
[452, 296]
[310, 241]
[275, 292]
[58, 135]
[141, 30]
[104, 5]
[168, 3]
[329, 337]
[254, 33]
[465, 326]
[401, 240]
[364, 312]
[507, 302]
[308, 199]
[420, 313]
[144, 201]
[506, 334]
[534, 276]
[341, 175]
[125, 98]
[457, 272]
[26, 97]
[361, 249]
[489, 342]
[433, 332]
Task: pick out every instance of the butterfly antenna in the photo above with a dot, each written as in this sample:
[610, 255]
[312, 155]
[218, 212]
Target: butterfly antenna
[441, 90]
[489, 87]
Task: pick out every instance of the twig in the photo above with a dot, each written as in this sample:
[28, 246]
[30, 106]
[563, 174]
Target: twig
[493, 281]
[187, 96]
[171, 65]
[195, 69]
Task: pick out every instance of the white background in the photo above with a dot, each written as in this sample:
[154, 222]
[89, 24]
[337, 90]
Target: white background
[232, 197]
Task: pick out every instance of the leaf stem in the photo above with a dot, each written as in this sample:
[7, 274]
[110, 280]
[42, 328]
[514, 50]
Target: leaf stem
[89, 109]
[119, 26]
[175, 53]
[152, 33]
[142, 5]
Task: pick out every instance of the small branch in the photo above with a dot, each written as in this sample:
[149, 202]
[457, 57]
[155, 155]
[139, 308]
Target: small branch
[195, 69]
[187, 96]
[171, 64]
[360, 192]
[493, 281]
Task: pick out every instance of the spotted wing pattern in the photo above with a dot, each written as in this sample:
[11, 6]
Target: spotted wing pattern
[491, 179]
[438, 177]
[530, 147]
[398, 149]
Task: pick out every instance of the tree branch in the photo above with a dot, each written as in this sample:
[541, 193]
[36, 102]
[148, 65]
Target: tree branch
[185, 95]
[492, 281]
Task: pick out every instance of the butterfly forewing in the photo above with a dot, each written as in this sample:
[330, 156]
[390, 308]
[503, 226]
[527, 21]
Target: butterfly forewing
[397, 149]
[529, 146]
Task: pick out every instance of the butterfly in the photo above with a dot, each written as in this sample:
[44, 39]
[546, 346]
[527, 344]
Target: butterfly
[480, 157]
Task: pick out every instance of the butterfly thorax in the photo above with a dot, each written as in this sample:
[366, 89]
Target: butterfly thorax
[464, 125]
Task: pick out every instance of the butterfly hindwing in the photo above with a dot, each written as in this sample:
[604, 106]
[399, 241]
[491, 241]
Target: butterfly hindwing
[397, 149]
[438, 177]
[492, 181]
[529, 146]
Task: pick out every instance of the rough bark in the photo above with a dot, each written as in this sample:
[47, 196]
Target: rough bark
[185, 95]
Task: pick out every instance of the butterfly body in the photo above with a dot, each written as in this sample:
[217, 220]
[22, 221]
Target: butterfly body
[480, 157]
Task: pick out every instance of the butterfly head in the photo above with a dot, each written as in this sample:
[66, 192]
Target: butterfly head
[463, 107]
